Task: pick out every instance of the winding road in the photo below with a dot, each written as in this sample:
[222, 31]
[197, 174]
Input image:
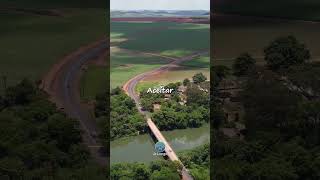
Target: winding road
[129, 88]
[63, 87]
[62, 84]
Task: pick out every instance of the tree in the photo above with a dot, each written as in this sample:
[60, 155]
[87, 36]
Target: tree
[199, 78]
[200, 173]
[21, 93]
[2, 103]
[284, 52]
[125, 119]
[165, 174]
[243, 65]
[39, 142]
[274, 108]
[116, 91]
[142, 172]
[64, 131]
[147, 104]
[195, 119]
[219, 72]
[101, 105]
[196, 96]
[186, 82]
[218, 118]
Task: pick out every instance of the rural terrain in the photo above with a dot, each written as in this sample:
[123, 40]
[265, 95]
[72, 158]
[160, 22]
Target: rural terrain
[47, 131]
[265, 107]
[145, 51]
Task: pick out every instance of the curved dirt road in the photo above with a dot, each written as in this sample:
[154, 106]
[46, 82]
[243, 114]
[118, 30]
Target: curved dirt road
[129, 86]
[63, 88]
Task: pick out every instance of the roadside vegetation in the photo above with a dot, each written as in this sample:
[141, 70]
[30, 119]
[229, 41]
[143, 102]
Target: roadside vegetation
[38, 141]
[125, 119]
[274, 135]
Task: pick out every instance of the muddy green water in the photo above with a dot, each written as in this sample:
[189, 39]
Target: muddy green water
[141, 148]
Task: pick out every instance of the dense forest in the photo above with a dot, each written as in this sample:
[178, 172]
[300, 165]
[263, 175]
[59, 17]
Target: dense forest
[281, 103]
[156, 170]
[125, 119]
[174, 113]
[38, 142]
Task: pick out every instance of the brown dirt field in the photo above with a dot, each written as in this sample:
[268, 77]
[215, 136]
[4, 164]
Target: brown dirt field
[162, 19]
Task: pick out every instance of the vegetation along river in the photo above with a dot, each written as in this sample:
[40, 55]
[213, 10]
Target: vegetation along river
[141, 148]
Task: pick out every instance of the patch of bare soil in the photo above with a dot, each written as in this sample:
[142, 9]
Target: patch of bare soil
[126, 65]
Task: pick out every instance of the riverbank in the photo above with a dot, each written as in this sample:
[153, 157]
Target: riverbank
[141, 148]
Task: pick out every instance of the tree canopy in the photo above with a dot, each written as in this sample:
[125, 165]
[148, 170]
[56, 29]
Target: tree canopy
[285, 52]
[37, 141]
[199, 78]
[243, 65]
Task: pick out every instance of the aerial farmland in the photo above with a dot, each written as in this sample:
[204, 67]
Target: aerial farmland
[154, 51]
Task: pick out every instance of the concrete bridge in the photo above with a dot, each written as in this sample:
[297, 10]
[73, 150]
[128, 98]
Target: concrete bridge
[168, 150]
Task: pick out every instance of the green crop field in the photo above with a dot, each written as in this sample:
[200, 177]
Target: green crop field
[125, 65]
[166, 38]
[235, 35]
[31, 44]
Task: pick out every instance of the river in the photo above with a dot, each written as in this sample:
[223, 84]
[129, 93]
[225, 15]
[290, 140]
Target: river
[141, 148]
